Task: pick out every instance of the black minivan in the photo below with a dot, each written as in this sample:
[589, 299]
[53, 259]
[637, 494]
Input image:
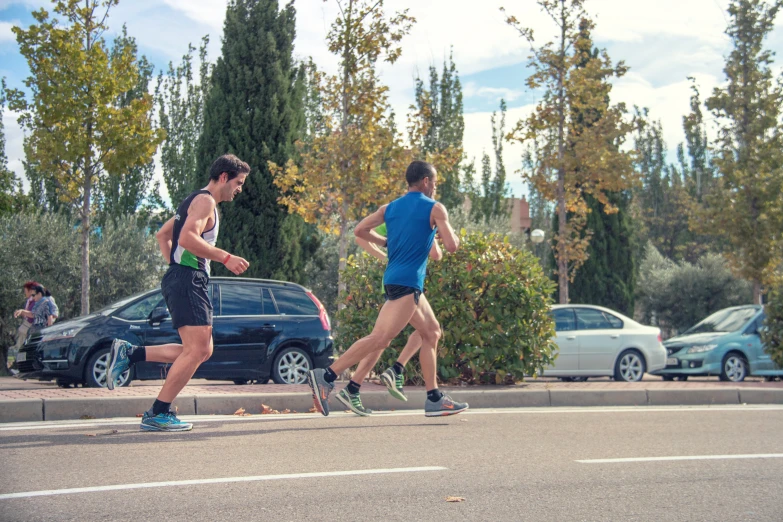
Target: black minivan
[261, 329]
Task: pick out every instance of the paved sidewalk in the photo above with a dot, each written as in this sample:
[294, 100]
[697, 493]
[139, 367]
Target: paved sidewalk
[34, 401]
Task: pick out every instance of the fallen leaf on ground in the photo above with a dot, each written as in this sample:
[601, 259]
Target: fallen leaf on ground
[240, 411]
[286, 410]
[455, 499]
[91, 435]
[86, 417]
[267, 410]
[313, 410]
[114, 431]
[139, 415]
[463, 420]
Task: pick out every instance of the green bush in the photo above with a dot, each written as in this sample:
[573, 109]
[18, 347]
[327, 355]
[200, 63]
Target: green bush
[772, 335]
[124, 259]
[676, 296]
[491, 299]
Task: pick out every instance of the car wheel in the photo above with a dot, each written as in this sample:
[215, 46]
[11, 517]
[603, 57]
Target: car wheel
[734, 368]
[629, 367]
[682, 377]
[580, 379]
[667, 377]
[95, 371]
[240, 382]
[291, 366]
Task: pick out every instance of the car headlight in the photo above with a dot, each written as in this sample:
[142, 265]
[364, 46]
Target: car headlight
[703, 348]
[61, 334]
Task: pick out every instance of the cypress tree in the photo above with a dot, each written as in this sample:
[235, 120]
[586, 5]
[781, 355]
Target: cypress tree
[607, 278]
[255, 110]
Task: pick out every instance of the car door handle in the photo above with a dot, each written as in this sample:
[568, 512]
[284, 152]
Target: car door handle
[571, 337]
[268, 327]
[615, 336]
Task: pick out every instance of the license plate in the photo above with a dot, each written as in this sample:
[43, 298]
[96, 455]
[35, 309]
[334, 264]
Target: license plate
[21, 357]
[672, 361]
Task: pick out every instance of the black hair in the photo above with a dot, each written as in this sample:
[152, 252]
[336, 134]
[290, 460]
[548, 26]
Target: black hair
[418, 170]
[47, 293]
[38, 289]
[229, 164]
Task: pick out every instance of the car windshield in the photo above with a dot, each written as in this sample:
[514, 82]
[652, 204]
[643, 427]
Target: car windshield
[724, 321]
[119, 304]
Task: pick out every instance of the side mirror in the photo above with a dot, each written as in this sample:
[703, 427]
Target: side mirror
[158, 315]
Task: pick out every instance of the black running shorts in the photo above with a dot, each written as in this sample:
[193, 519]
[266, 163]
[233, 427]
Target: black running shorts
[394, 292]
[186, 293]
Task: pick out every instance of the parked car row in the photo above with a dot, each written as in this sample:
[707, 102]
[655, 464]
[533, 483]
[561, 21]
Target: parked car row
[276, 330]
[594, 342]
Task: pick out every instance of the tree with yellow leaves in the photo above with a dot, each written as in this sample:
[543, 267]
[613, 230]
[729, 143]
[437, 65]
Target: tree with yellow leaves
[355, 162]
[576, 132]
[77, 133]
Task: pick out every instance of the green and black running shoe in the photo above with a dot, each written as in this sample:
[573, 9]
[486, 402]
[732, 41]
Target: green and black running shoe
[353, 402]
[393, 383]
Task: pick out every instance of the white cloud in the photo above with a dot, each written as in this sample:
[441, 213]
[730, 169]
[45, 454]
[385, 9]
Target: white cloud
[14, 143]
[471, 89]
[208, 12]
[6, 35]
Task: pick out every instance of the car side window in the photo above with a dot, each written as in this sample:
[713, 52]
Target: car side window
[140, 310]
[240, 300]
[615, 322]
[590, 319]
[292, 302]
[564, 320]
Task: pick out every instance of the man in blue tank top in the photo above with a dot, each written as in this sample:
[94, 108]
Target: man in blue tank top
[187, 242]
[411, 222]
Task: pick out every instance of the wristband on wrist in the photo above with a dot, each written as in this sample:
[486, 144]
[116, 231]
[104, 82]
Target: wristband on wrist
[228, 256]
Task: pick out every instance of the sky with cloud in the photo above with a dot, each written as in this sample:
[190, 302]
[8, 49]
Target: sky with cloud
[663, 42]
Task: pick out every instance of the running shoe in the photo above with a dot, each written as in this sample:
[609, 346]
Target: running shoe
[163, 422]
[393, 383]
[321, 390]
[445, 406]
[118, 362]
[354, 402]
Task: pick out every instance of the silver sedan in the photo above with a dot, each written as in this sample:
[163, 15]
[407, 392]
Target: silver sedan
[595, 342]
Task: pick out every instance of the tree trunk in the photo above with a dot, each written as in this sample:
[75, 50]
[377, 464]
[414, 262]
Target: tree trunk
[562, 250]
[757, 292]
[86, 245]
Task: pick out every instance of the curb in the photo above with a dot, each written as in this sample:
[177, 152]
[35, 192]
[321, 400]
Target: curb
[30, 410]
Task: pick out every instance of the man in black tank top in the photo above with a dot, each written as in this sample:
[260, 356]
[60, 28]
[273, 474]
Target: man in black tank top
[187, 242]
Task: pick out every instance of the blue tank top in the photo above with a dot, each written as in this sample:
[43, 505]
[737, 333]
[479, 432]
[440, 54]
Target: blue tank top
[409, 237]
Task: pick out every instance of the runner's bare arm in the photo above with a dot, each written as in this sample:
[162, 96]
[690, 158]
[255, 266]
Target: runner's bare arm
[366, 227]
[371, 248]
[165, 236]
[201, 209]
[436, 254]
[440, 218]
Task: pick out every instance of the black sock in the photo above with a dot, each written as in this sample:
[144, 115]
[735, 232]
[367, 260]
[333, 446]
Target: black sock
[353, 387]
[330, 376]
[398, 368]
[434, 395]
[137, 354]
[160, 407]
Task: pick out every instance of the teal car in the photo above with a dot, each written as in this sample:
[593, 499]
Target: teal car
[726, 344]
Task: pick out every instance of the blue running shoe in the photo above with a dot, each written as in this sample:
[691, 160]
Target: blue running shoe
[118, 362]
[163, 422]
[321, 389]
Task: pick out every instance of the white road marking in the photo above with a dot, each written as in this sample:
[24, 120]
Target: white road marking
[198, 419]
[689, 457]
[257, 478]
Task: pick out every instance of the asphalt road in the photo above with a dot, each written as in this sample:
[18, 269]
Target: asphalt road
[535, 464]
